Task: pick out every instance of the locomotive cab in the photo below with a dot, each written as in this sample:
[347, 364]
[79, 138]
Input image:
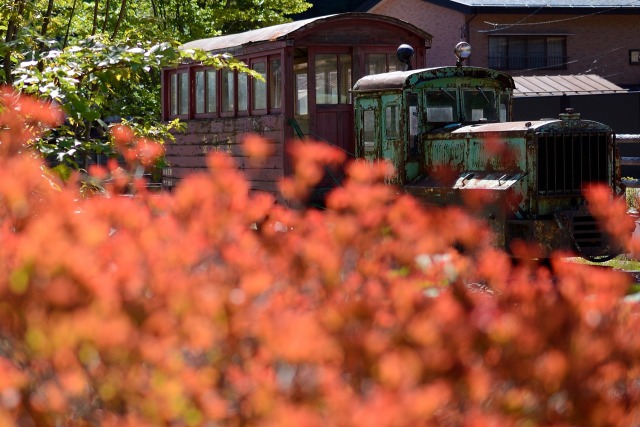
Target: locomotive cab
[448, 132]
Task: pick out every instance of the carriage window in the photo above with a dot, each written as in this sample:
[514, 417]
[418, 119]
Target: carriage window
[345, 79]
[479, 105]
[391, 121]
[302, 107]
[369, 132]
[243, 92]
[377, 63]
[227, 90]
[200, 92]
[212, 92]
[205, 91]
[275, 84]
[183, 89]
[442, 106]
[333, 78]
[173, 95]
[259, 88]
[179, 93]
[326, 79]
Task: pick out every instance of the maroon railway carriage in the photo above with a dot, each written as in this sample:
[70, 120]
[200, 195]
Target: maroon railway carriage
[309, 68]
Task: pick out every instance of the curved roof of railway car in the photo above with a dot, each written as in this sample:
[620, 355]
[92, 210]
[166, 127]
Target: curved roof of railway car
[403, 79]
[289, 30]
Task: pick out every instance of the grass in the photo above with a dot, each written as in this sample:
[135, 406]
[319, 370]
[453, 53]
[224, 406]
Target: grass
[621, 262]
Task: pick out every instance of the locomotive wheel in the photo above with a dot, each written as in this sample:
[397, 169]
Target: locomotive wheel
[599, 258]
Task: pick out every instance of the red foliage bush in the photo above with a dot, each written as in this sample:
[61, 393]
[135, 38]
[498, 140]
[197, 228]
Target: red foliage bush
[173, 309]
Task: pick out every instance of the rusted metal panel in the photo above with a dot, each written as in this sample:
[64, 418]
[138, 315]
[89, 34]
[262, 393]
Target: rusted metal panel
[414, 79]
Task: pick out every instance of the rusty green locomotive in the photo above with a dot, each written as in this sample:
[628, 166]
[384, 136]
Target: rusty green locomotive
[448, 132]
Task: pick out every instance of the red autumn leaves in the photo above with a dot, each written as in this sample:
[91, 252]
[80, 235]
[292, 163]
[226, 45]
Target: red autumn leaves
[175, 309]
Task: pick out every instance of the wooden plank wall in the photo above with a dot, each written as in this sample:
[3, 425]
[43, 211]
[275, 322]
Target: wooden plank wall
[188, 153]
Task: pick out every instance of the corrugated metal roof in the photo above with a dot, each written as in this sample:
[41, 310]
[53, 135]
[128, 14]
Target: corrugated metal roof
[583, 84]
[283, 31]
[260, 35]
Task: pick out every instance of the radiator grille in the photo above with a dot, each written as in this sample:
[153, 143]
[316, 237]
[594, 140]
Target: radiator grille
[587, 233]
[569, 161]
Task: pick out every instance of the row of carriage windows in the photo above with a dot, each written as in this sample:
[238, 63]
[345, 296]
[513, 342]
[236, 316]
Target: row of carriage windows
[226, 92]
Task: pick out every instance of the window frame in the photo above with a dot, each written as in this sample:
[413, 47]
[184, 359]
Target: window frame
[206, 113]
[252, 82]
[169, 93]
[280, 79]
[510, 62]
[343, 92]
[247, 110]
[272, 83]
[234, 93]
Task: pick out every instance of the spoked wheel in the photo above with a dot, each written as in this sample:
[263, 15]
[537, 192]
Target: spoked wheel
[598, 258]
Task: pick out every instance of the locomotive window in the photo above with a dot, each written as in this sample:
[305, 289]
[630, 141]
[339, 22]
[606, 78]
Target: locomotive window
[442, 106]
[479, 105]
[504, 107]
[412, 112]
[369, 133]
[391, 122]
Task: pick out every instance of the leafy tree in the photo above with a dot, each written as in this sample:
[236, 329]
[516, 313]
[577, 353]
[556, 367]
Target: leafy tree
[88, 79]
[100, 60]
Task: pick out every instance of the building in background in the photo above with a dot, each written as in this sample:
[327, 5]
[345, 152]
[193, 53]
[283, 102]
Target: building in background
[525, 37]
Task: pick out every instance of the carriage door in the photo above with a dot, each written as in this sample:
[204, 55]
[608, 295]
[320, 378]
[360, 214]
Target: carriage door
[331, 110]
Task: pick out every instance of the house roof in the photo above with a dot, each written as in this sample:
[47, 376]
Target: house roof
[472, 6]
[285, 31]
[547, 3]
[583, 84]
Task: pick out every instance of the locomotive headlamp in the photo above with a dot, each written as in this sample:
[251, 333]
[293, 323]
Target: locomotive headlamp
[462, 51]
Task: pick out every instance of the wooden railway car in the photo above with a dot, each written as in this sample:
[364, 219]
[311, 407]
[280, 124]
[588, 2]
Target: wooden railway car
[449, 133]
[309, 67]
